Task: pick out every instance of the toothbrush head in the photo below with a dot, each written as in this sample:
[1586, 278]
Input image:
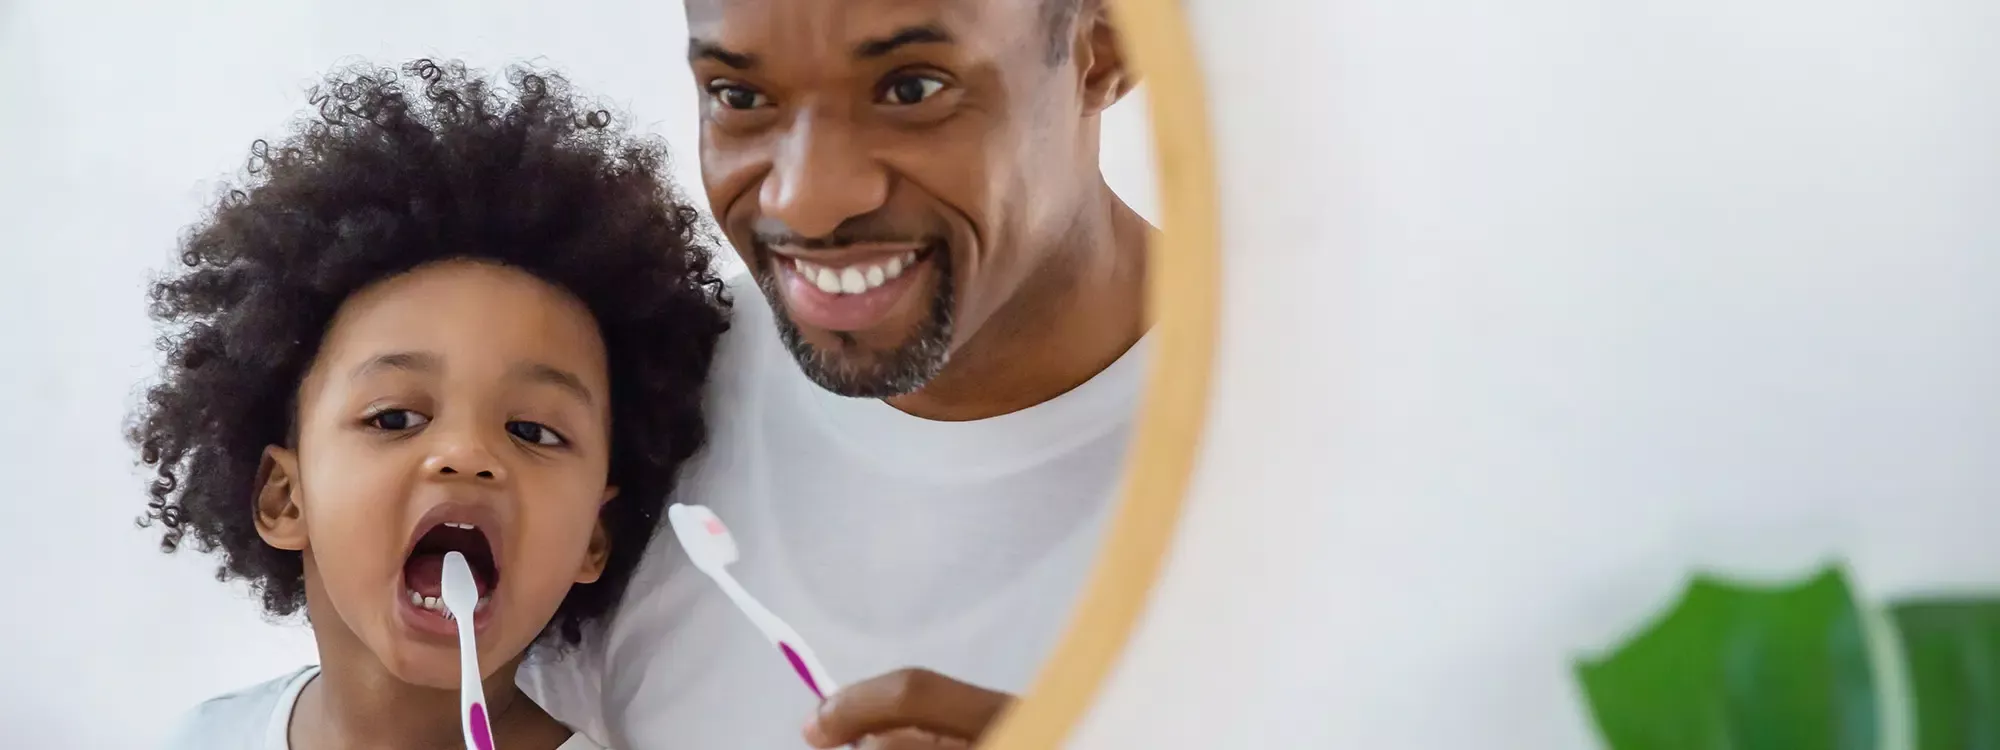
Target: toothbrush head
[701, 533]
[461, 593]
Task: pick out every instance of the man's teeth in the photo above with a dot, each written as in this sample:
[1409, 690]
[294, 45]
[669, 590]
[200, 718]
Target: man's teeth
[854, 279]
[465, 526]
[436, 603]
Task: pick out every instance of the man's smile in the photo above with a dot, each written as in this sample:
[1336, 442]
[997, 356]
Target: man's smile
[850, 291]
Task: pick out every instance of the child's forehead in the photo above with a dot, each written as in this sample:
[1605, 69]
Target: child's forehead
[465, 314]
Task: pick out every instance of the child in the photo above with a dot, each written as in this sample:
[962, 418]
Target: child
[436, 318]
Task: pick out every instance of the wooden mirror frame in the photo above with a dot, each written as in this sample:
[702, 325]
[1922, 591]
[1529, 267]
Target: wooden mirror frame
[1184, 277]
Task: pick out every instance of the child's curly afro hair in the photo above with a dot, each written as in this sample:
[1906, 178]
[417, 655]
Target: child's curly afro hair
[394, 170]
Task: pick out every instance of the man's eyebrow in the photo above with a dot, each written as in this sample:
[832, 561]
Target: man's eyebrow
[925, 34]
[699, 49]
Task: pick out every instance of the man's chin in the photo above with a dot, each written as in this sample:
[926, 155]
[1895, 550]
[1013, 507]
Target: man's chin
[848, 368]
[867, 364]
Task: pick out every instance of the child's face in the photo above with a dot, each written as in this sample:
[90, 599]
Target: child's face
[459, 393]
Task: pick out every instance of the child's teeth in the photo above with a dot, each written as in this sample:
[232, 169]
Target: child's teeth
[465, 526]
[436, 603]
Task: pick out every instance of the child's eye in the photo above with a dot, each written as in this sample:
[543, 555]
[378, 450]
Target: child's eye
[534, 433]
[397, 420]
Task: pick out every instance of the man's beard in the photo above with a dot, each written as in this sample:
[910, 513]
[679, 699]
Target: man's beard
[886, 375]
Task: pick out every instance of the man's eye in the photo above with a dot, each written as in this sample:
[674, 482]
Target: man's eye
[397, 420]
[907, 90]
[733, 96]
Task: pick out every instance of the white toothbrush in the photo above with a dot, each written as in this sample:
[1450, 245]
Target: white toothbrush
[711, 547]
[461, 599]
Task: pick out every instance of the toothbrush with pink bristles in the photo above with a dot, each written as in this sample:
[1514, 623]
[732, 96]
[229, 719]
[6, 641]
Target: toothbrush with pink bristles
[712, 549]
[461, 599]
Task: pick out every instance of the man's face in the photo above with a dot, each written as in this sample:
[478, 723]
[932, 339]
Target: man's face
[892, 171]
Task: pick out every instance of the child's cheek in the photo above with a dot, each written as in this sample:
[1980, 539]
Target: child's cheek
[359, 529]
[554, 543]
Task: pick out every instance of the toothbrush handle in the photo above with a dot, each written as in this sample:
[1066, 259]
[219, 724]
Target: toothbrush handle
[478, 732]
[781, 635]
[472, 695]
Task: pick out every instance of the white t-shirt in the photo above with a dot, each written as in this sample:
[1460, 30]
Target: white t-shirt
[886, 540]
[260, 718]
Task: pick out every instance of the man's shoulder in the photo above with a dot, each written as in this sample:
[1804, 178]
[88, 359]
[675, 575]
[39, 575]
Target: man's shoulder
[744, 348]
[240, 718]
[742, 282]
[749, 309]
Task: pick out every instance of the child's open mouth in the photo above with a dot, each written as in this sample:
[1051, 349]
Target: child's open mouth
[466, 532]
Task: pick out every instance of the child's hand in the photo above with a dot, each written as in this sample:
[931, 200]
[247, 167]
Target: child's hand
[909, 709]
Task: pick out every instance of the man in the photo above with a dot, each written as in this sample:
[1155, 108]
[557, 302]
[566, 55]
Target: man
[914, 186]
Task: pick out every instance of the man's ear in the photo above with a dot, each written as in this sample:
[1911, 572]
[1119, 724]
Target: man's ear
[1107, 77]
[280, 520]
[598, 554]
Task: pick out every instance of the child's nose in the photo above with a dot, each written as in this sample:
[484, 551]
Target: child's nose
[463, 460]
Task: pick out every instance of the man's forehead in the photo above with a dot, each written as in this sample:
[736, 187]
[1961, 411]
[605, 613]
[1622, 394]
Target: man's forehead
[752, 27]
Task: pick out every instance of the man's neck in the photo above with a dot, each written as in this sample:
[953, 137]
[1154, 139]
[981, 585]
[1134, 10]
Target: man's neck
[1040, 346]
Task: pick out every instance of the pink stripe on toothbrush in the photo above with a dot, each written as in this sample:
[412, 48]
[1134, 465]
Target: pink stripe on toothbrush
[482, 735]
[799, 666]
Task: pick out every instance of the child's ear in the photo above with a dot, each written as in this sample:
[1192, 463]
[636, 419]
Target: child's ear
[280, 521]
[599, 553]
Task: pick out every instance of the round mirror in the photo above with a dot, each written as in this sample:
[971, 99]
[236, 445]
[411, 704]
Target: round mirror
[919, 456]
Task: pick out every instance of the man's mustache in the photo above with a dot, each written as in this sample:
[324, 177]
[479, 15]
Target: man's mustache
[836, 242]
[860, 230]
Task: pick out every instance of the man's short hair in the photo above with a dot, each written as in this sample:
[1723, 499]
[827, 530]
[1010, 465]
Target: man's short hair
[1059, 19]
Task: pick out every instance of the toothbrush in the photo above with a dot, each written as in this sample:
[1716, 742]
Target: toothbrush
[712, 549]
[461, 599]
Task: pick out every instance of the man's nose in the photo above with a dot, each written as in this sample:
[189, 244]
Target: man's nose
[821, 176]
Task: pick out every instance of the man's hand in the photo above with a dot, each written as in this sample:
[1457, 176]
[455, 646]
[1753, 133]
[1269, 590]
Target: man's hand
[909, 709]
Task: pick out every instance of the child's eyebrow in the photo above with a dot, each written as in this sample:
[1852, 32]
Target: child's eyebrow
[530, 372]
[411, 361]
[536, 372]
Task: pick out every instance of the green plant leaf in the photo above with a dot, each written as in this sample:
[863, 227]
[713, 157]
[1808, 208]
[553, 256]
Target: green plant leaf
[1736, 667]
[1952, 651]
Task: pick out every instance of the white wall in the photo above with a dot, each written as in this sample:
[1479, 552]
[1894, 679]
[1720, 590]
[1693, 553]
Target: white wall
[1533, 307]
[117, 119]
